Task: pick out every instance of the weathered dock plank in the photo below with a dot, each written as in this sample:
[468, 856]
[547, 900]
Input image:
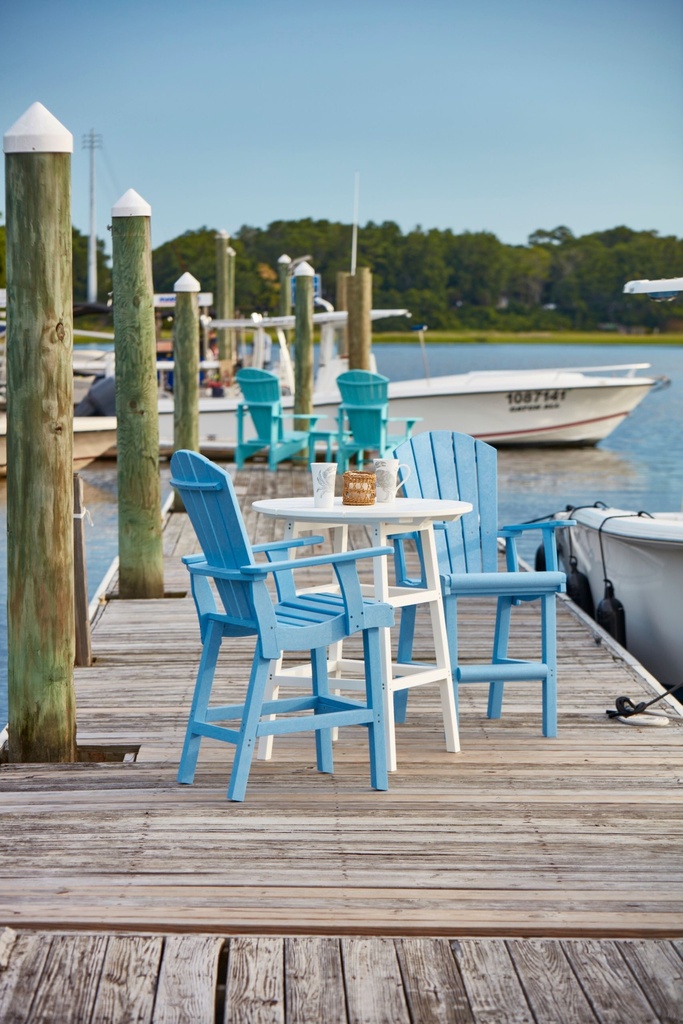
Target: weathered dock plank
[212, 979]
[516, 835]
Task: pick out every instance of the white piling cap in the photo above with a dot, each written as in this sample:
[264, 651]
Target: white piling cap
[304, 270]
[285, 258]
[230, 251]
[222, 234]
[38, 131]
[187, 283]
[131, 205]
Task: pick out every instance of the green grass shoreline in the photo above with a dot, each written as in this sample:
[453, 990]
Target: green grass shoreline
[500, 338]
[528, 338]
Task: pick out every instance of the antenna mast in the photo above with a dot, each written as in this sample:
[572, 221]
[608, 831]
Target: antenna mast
[354, 235]
[92, 141]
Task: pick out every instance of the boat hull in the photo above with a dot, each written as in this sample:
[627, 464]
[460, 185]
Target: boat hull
[550, 407]
[644, 562]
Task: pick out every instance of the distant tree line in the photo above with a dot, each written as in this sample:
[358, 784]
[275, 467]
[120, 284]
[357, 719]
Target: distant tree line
[557, 281]
[469, 281]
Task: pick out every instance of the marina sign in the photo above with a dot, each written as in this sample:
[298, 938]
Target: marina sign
[166, 300]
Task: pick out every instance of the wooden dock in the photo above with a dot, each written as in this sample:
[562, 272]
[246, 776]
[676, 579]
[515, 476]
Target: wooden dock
[513, 859]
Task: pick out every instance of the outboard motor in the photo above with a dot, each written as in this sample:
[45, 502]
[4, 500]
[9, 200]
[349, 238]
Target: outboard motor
[610, 615]
[578, 588]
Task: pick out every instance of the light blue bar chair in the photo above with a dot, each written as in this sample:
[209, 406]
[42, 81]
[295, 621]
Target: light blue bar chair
[452, 465]
[287, 622]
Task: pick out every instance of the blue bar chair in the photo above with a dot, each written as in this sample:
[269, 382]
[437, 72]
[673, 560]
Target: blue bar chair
[286, 622]
[452, 465]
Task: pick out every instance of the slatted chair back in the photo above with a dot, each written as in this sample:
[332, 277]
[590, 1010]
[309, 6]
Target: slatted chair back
[361, 387]
[210, 502]
[457, 467]
[362, 417]
[261, 392]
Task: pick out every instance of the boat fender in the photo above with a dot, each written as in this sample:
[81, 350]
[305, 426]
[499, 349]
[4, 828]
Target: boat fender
[610, 615]
[578, 588]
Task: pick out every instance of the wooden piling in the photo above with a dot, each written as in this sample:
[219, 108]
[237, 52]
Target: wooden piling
[221, 296]
[359, 298]
[283, 265]
[137, 432]
[303, 345]
[341, 302]
[40, 559]
[186, 370]
[232, 346]
[224, 302]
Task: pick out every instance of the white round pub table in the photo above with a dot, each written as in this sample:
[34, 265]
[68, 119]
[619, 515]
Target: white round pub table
[384, 520]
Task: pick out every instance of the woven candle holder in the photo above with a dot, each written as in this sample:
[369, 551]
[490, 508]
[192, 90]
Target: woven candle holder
[358, 488]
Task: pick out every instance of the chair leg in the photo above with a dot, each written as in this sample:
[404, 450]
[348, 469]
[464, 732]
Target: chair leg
[251, 716]
[500, 650]
[374, 691]
[200, 701]
[404, 656]
[549, 656]
[323, 737]
[450, 613]
[265, 743]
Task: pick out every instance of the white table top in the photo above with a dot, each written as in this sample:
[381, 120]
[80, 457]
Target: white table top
[401, 510]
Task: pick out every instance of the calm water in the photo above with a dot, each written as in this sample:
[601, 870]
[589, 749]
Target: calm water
[639, 466]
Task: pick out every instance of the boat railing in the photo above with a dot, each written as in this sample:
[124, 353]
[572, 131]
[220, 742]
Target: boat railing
[611, 367]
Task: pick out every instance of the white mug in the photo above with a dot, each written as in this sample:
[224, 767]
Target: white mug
[324, 474]
[388, 483]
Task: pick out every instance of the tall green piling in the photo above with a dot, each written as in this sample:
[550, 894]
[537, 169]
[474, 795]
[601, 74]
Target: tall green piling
[224, 302]
[342, 303]
[283, 265]
[186, 369]
[232, 347]
[303, 345]
[141, 569]
[359, 298]
[40, 554]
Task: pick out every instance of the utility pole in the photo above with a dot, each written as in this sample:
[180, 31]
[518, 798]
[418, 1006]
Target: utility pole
[92, 141]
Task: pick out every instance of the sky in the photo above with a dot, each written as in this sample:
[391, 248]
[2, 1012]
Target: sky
[474, 115]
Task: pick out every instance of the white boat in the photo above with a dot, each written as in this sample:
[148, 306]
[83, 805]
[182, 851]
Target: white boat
[642, 556]
[572, 406]
[565, 406]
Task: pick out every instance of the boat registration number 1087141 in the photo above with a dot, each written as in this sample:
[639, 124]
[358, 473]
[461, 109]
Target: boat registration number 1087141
[520, 401]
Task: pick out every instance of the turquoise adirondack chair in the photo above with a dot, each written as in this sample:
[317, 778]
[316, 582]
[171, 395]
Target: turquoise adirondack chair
[363, 418]
[451, 465]
[263, 402]
[290, 621]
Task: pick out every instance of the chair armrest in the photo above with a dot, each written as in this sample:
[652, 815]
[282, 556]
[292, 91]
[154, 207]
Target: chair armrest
[280, 545]
[405, 419]
[191, 559]
[312, 418]
[547, 524]
[262, 569]
[548, 528]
